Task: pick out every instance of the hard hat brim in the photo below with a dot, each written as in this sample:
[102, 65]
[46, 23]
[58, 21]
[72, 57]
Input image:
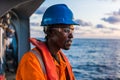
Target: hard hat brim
[69, 22]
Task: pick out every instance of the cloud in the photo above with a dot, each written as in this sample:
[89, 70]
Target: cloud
[114, 17]
[40, 10]
[109, 0]
[114, 29]
[105, 27]
[106, 30]
[116, 13]
[34, 24]
[114, 0]
[83, 23]
[100, 26]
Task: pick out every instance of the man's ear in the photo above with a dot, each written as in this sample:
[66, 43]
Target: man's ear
[51, 32]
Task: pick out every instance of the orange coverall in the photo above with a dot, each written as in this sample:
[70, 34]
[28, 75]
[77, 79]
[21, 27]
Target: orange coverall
[30, 68]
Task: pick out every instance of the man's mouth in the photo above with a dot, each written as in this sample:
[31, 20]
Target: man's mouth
[69, 42]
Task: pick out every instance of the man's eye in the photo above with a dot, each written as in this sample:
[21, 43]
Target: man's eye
[67, 30]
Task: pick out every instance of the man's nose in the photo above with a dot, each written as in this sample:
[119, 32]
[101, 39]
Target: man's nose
[70, 35]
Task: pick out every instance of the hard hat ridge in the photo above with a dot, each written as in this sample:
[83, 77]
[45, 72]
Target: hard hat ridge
[58, 14]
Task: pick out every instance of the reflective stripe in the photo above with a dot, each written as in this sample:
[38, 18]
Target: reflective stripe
[38, 55]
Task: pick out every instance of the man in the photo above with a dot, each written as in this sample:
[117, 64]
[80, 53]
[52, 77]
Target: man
[46, 61]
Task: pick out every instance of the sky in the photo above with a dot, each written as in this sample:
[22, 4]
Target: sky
[97, 18]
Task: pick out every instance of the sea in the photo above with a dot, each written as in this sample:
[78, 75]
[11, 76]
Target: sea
[95, 59]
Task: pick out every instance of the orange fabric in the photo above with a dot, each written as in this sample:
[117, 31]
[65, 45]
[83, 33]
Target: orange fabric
[30, 69]
[69, 67]
[61, 68]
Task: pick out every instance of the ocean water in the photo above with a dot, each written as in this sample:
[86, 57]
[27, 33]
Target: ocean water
[95, 59]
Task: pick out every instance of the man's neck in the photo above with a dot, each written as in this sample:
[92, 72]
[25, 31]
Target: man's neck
[53, 50]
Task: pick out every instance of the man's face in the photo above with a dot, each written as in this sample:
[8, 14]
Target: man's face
[62, 36]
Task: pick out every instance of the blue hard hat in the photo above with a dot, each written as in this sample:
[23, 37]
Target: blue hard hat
[58, 14]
